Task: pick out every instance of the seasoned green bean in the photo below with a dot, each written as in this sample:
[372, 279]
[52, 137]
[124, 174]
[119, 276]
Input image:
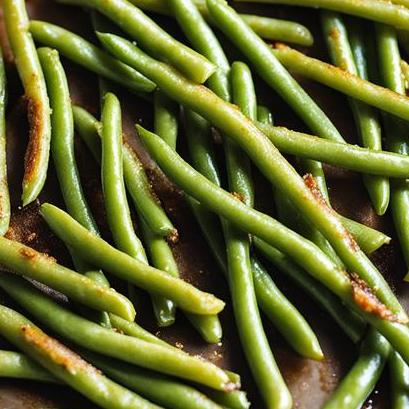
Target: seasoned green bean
[86, 54]
[166, 118]
[356, 386]
[16, 365]
[98, 339]
[366, 117]
[396, 130]
[340, 154]
[66, 364]
[26, 261]
[229, 120]
[38, 107]
[344, 82]
[137, 183]
[376, 10]
[151, 37]
[99, 252]
[266, 27]
[4, 191]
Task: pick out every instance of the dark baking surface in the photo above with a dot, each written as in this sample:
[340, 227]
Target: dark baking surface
[310, 382]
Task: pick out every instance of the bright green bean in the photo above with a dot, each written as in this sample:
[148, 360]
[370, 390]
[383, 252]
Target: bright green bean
[166, 118]
[98, 339]
[84, 53]
[376, 10]
[127, 268]
[15, 365]
[151, 37]
[356, 386]
[4, 191]
[344, 82]
[62, 149]
[348, 321]
[231, 400]
[396, 130]
[264, 115]
[35, 91]
[266, 27]
[399, 379]
[26, 261]
[340, 154]
[66, 364]
[366, 117]
[235, 125]
[137, 183]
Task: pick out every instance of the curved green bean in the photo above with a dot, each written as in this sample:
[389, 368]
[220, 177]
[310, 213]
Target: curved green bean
[344, 82]
[366, 118]
[98, 339]
[16, 365]
[151, 37]
[266, 27]
[5, 209]
[376, 10]
[26, 261]
[356, 386]
[66, 364]
[86, 54]
[230, 121]
[99, 252]
[166, 118]
[347, 156]
[62, 150]
[137, 183]
[35, 91]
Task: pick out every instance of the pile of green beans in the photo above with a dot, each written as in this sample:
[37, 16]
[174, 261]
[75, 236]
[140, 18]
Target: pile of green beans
[205, 99]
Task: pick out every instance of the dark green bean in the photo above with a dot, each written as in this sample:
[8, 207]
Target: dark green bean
[26, 261]
[235, 125]
[344, 82]
[377, 10]
[166, 118]
[96, 338]
[127, 268]
[356, 386]
[4, 191]
[35, 91]
[137, 183]
[89, 56]
[151, 37]
[366, 118]
[266, 27]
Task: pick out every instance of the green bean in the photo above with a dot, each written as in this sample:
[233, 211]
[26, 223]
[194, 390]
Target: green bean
[26, 261]
[344, 82]
[62, 149]
[230, 121]
[405, 72]
[356, 386]
[166, 118]
[376, 10]
[401, 2]
[15, 365]
[151, 37]
[340, 154]
[98, 339]
[348, 321]
[277, 235]
[137, 183]
[366, 118]
[403, 37]
[4, 191]
[271, 70]
[233, 400]
[127, 268]
[86, 54]
[399, 378]
[397, 131]
[264, 115]
[66, 364]
[266, 27]
[35, 91]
